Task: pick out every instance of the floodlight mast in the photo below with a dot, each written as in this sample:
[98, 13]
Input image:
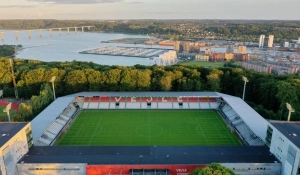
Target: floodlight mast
[52, 81]
[245, 79]
[289, 107]
[14, 78]
[7, 108]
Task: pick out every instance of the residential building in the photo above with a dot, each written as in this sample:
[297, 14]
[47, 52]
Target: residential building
[228, 56]
[242, 49]
[177, 46]
[208, 51]
[200, 57]
[230, 48]
[270, 40]
[261, 41]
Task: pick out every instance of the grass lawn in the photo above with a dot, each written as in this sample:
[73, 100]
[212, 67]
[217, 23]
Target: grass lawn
[148, 128]
[203, 63]
[3, 115]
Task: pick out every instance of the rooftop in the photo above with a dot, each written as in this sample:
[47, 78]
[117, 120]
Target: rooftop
[41, 122]
[145, 94]
[253, 120]
[8, 130]
[148, 154]
[290, 130]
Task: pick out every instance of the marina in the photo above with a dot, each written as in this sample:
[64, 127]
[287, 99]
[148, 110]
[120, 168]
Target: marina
[141, 52]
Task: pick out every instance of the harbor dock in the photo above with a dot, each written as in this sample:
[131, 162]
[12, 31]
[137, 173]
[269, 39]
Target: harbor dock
[127, 51]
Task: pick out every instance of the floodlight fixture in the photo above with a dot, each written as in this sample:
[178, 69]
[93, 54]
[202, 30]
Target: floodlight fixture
[52, 81]
[289, 107]
[7, 108]
[245, 79]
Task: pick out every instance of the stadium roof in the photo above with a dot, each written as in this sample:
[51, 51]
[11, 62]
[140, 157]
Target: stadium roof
[252, 119]
[8, 130]
[290, 130]
[40, 123]
[148, 154]
[145, 94]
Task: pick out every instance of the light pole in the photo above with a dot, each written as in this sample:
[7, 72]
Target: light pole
[289, 107]
[14, 78]
[245, 79]
[52, 81]
[7, 108]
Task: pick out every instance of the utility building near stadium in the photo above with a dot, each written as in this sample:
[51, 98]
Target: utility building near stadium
[155, 133]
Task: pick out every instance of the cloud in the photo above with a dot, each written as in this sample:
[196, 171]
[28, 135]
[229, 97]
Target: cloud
[77, 1]
[17, 6]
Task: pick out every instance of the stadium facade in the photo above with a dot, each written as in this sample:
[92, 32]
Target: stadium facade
[269, 148]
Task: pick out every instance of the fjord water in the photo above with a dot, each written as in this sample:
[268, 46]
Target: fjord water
[66, 47]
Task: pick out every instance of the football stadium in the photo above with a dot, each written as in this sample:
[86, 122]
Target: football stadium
[163, 133]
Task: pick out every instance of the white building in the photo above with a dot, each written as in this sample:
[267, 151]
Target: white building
[168, 58]
[283, 138]
[15, 141]
[261, 41]
[270, 40]
[286, 44]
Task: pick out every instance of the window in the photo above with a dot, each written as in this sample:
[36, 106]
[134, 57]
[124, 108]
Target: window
[269, 136]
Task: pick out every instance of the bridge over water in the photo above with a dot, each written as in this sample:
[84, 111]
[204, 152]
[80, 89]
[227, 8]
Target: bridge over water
[59, 29]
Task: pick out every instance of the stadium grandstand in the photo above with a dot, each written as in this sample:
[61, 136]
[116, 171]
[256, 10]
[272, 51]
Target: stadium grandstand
[124, 132]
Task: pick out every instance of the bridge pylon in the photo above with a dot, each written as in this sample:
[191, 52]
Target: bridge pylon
[41, 33]
[2, 35]
[50, 31]
[17, 35]
[59, 31]
[29, 34]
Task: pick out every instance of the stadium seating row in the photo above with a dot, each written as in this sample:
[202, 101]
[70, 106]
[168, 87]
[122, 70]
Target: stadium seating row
[148, 99]
[154, 105]
[56, 126]
[241, 127]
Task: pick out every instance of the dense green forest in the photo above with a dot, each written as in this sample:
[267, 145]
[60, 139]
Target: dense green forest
[8, 50]
[237, 30]
[267, 93]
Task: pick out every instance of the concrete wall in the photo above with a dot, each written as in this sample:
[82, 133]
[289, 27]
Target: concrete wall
[51, 169]
[254, 168]
[13, 150]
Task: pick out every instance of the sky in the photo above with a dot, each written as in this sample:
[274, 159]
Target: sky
[150, 9]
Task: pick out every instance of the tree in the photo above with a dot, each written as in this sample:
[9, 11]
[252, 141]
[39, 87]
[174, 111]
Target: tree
[213, 169]
[76, 81]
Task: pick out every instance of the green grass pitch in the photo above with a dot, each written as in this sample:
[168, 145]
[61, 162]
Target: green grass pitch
[148, 128]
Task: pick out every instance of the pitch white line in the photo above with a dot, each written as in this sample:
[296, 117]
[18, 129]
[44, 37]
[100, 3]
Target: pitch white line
[202, 132]
[94, 133]
[79, 130]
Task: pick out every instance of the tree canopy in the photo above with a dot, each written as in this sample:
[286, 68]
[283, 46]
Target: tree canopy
[213, 169]
[266, 93]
